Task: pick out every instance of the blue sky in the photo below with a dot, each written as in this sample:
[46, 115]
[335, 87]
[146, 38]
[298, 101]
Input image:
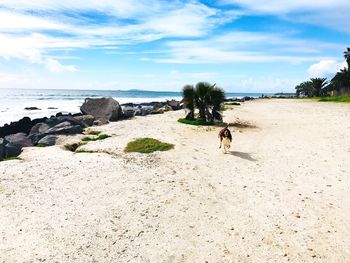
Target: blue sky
[242, 45]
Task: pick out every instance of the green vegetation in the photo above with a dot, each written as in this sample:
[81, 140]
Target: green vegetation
[336, 99]
[90, 132]
[40, 145]
[196, 122]
[207, 98]
[12, 158]
[98, 138]
[147, 145]
[339, 85]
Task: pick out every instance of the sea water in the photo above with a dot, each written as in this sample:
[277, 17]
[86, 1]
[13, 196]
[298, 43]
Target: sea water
[14, 101]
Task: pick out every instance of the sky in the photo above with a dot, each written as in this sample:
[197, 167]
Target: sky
[241, 45]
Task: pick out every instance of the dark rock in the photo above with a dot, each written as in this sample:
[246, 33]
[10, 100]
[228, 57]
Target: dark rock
[128, 112]
[146, 110]
[48, 140]
[174, 104]
[40, 127]
[14, 144]
[86, 120]
[31, 108]
[102, 109]
[65, 128]
[52, 108]
[2, 149]
[23, 125]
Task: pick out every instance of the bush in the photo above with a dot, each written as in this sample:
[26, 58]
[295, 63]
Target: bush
[147, 145]
[196, 122]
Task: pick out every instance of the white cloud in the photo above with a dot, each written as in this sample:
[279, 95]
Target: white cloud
[325, 68]
[54, 66]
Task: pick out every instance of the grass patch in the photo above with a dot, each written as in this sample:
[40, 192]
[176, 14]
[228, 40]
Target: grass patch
[196, 122]
[98, 138]
[90, 132]
[147, 145]
[40, 145]
[336, 99]
[12, 158]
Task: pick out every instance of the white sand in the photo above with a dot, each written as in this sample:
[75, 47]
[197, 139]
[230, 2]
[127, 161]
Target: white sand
[282, 194]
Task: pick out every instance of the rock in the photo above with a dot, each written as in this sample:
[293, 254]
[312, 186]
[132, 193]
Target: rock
[40, 127]
[52, 108]
[65, 128]
[31, 108]
[146, 110]
[48, 140]
[102, 109]
[128, 112]
[14, 144]
[174, 104]
[167, 108]
[86, 120]
[157, 111]
[2, 149]
[100, 122]
[23, 125]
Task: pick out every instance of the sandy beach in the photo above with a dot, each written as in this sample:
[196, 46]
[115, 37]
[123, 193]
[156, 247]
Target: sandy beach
[281, 194]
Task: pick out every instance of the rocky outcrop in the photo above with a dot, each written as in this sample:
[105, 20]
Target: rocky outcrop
[14, 143]
[23, 125]
[102, 109]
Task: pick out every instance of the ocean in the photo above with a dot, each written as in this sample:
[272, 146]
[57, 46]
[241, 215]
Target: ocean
[14, 101]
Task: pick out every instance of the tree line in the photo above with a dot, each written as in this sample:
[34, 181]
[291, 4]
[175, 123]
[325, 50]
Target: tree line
[318, 87]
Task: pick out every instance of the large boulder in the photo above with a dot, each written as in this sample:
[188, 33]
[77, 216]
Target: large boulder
[14, 144]
[48, 140]
[102, 109]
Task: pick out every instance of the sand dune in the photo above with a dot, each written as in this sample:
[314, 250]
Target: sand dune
[281, 195]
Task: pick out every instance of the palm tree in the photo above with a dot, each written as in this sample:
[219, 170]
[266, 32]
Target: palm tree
[188, 98]
[206, 98]
[305, 89]
[347, 56]
[318, 85]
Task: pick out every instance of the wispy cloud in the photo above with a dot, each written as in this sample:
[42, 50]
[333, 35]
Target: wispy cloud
[240, 46]
[333, 14]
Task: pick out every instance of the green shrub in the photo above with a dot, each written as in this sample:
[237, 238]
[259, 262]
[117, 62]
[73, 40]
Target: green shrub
[40, 145]
[196, 122]
[147, 145]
